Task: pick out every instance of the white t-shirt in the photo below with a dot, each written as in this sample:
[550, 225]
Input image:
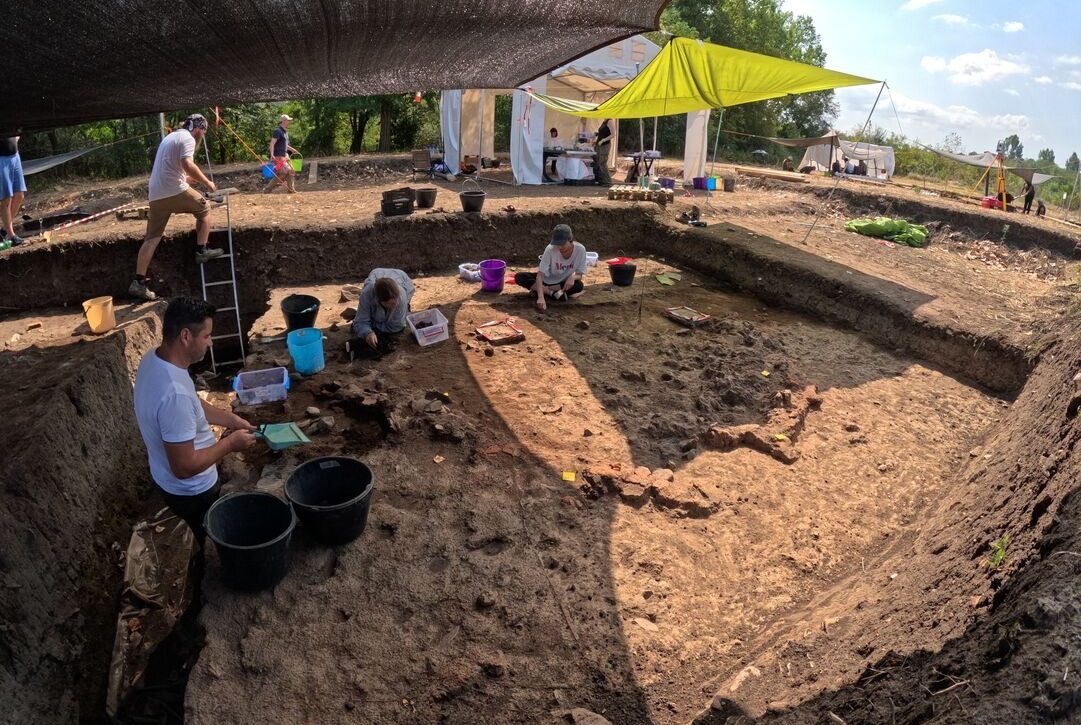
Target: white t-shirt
[168, 177]
[556, 269]
[169, 411]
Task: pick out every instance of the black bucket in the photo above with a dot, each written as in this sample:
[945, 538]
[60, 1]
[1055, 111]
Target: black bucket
[472, 201]
[300, 311]
[426, 197]
[332, 496]
[622, 274]
[729, 183]
[251, 531]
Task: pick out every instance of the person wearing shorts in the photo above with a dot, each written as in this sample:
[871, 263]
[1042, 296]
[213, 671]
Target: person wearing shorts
[279, 157]
[12, 188]
[170, 193]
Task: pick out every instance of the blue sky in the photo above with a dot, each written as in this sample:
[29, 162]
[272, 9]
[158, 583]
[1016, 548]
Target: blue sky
[983, 70]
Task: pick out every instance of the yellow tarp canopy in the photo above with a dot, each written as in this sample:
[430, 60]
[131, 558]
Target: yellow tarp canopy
[691, 75]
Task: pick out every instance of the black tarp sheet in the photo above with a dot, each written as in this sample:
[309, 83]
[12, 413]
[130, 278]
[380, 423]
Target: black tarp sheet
[74, 62]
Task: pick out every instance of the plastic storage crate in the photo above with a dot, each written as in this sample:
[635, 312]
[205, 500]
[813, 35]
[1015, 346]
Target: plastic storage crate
[429, 327]
[262, 386]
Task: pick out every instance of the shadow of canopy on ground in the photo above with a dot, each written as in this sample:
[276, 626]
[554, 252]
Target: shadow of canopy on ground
[663, 385]
[475, 588]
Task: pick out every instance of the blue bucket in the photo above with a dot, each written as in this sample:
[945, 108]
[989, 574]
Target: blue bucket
[711, 183]
[306, 348]
[268, 171]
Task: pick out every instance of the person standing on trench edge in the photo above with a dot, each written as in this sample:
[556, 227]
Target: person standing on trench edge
[175, 422]
[170, 193]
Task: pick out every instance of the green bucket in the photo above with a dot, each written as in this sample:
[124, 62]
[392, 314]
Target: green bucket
[297, 163]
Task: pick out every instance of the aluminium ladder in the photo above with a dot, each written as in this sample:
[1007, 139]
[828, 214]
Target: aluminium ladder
[230, 255]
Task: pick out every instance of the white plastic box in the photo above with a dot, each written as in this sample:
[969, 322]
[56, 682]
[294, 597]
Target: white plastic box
[436, 330]
[262, 386]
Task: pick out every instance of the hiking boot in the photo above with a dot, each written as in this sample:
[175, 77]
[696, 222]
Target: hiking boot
[16, 240]
[205, 254]
[139, 290]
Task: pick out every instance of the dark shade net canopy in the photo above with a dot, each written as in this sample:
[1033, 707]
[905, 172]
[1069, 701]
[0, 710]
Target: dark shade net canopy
[79, 62]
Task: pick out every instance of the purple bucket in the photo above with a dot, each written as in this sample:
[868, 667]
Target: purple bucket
[667, 182]
[492, 273]
[699, 182]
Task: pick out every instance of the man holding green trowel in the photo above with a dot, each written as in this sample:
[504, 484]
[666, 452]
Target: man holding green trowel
[175, 422]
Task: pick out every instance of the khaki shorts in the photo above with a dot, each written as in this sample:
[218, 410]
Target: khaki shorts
[188, 201]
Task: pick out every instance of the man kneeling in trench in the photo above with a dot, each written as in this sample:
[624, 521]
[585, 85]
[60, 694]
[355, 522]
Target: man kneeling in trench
[175, 422]
[559, 274]
[381, 311]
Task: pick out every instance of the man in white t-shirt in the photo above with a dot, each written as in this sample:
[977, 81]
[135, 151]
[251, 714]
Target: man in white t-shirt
[559, 274]
[170, 193]
[175, 422]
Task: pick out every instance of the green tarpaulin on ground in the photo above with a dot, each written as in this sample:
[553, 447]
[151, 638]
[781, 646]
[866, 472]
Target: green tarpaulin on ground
[895, 230]
[692, 75]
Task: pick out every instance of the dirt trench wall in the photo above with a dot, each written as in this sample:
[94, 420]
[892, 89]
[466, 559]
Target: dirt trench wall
[1013, 628]
[784, 276]
[73, 469]
[987, 224]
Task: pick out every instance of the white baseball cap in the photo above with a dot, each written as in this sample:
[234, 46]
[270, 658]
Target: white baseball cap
[284, 117]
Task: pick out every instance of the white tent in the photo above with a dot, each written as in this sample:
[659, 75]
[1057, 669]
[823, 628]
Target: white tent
[468, 117]
[823, 151]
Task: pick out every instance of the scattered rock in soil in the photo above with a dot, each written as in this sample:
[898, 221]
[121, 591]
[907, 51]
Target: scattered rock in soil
[583, 325]
[312, 411]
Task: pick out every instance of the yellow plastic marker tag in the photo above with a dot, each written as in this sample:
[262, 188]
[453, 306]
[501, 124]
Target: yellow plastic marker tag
[765, 373]
[568, 476]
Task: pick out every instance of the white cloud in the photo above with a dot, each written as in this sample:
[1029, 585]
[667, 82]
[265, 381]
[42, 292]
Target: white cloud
[1043, 80]
[933, 64]
[1011, 92]
[951, 19]
[917, 4]
[974, 69]
[1068, 60]
[913, 110]
[1072, 85]
[1013, 26]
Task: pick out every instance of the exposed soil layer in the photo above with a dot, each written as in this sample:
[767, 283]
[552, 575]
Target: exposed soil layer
[487, 584]
[525, 595]
[73, 472]
[1016, 657]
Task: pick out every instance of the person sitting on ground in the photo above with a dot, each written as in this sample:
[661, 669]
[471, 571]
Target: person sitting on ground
[1041, 210]
[861, 168]
[559, 274]
[12, 188]
[1029, 192]
[279, 157]
[786, 165]
[850, 168]
[175, 422]
[170, 193]
[836, 167]
[381, 311]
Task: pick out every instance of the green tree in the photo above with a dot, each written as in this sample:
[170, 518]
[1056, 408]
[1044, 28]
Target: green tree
[1073, 163]
[1047, 155]
[761, 26]
[1013, 148]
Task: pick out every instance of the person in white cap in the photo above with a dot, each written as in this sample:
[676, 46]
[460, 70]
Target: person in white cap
[279, 156]
[170, 193]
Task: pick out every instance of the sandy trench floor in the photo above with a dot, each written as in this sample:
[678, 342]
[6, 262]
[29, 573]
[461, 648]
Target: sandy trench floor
[487, 588]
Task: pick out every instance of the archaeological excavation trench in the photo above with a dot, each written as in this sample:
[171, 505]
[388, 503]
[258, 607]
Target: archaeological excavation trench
[793, 510]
